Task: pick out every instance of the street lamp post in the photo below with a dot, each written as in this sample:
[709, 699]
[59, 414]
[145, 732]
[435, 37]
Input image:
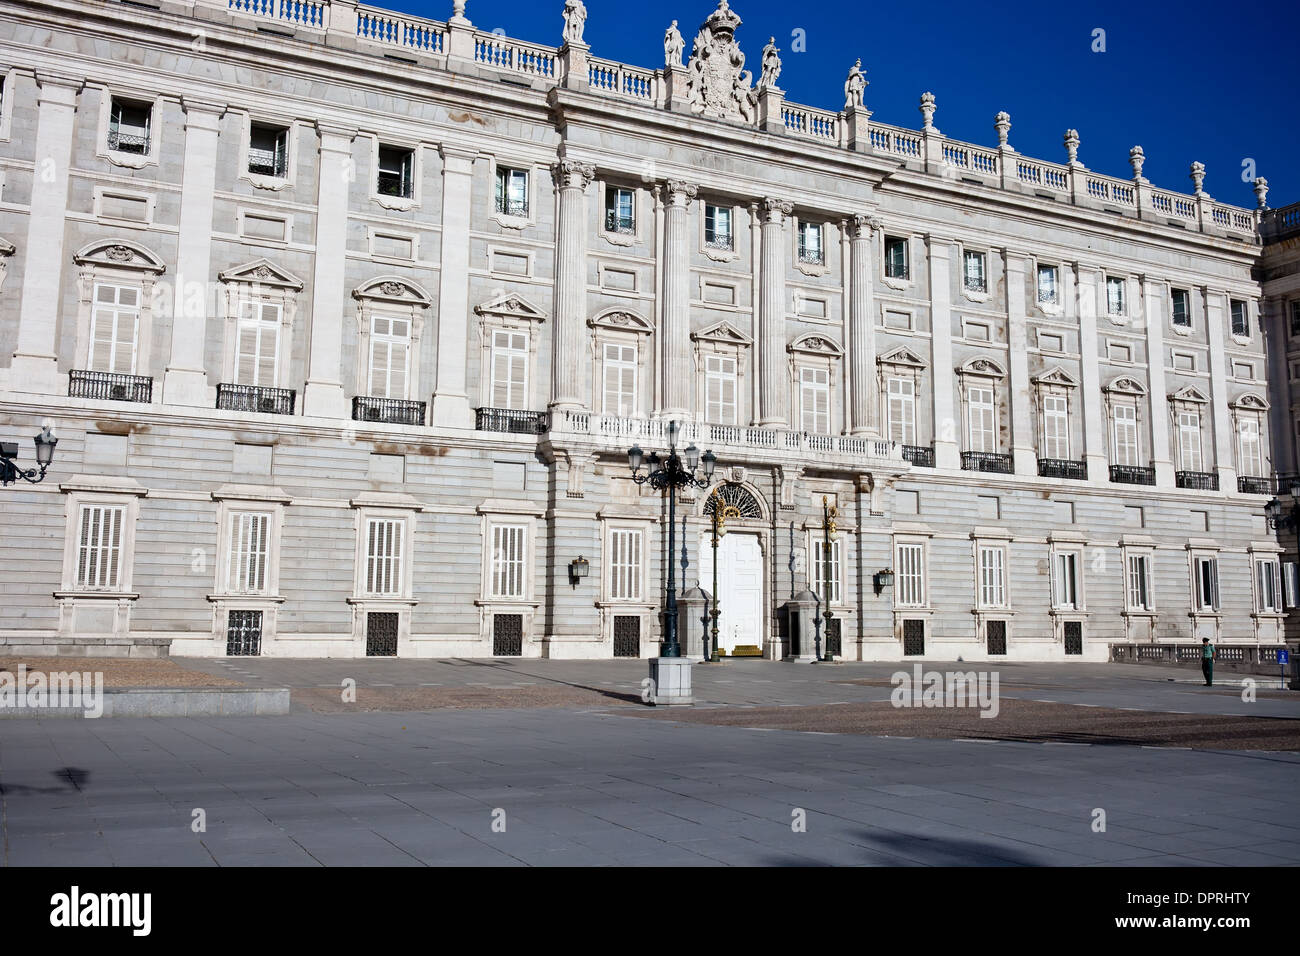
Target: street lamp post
[719, 530]
[669, 475]
[830, 534]
[10, 472]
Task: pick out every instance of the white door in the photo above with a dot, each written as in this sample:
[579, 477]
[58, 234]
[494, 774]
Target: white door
[740, 588]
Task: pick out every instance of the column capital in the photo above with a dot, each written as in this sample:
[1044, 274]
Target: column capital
[680, 192]
[336, 138]
[775, 210]
[572, 174]
[864, 225]
[58, 89]
[201, 114]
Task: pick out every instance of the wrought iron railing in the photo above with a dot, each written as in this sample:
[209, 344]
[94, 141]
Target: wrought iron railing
[1198, 480]
[394, 184]
[724, 242]
[812, 256]
[512, 207]
[112, 386]
[920, 455]
[987, 461]
[513, 420]
[1255, 485]
[613, 222]
[255, 398]
[1133, 474]
[128, 142]
[267, 162]
[1063, 468]
[390, 411]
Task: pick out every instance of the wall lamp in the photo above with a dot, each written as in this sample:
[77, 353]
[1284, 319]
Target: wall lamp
[10, 472]
[884, 579]
[579, 568]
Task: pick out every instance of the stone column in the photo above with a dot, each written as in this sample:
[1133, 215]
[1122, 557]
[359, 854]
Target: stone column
[1281, 416]
[1225, 457]
[773, 387]
[1021, 402]
[1153, 301]
[676, 330]
[947, 430]
[567, 348]
[323, 396]
[1083, 298]
[35, 360]
[862, 326]
[185, 381]
[450, 399]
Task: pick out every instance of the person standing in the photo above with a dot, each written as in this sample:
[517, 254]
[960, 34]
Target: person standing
[1207, 661]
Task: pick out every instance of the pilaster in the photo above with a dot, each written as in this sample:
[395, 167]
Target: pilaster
[571, 179]
[450, 398]
[675, 372]
[947, 431]
[1083, 298]
[1153, 300]
[862, 326]
[1021, 400]
[1225, 460]
[773, 387]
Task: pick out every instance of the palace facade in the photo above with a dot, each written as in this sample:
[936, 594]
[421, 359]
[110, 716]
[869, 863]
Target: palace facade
[345, 320]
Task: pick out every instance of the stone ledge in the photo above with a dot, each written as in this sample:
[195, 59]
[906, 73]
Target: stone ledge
[107, 646]
[151, 702]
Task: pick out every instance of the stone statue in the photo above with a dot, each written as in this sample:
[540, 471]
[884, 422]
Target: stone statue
[575, 18]
[771, 66]
[854, 87]
[717, 79]
[673, 44]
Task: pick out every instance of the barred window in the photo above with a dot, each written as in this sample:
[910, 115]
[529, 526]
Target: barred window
[99, 553]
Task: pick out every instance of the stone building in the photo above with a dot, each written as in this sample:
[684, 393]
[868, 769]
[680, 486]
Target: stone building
[346, 319]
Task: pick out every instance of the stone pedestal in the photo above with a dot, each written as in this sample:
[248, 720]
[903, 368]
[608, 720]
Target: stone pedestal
[693, 622]
[672, 681]
[801, 613]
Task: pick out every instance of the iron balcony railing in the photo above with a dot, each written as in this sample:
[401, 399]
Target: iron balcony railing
[512, 207]
[390, 411]
[987, 461]
[128, 142]
[270, 162]
[1063, 468]
[394, 184]
[896, 271]
[255, 398]
[1198, 480]
[719, 241]
[615, 222]
[1255, 485]
[812, 256]
[1133, 474]
[512, 420]
[920, 455]
[112, 386]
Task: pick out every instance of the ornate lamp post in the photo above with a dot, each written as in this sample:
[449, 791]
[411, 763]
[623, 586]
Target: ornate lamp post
[10, 472]
[721, 512]
[669, 475]
[829, 536]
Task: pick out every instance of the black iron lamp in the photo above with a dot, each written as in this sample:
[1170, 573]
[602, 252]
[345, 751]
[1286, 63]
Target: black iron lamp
[579, 568]
[884, 579]
[10, 472]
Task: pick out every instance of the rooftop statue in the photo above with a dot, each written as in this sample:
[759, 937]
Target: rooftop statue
[854, 86]
[575, 18]
[771, 66]
[673, 44]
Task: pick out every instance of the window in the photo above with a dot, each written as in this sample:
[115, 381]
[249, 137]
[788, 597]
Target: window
[720, 390]
[992, 576]
[384, 555]
[620, 380]
[129, 125]
[258, 344]
[1125, 435]
[620, 209]
[512, 191]
[909, 575]
[901, 410]
[249, 543]
[508, 560]
[896, 258]
[396, 172]
[625, 564]
[826, 567]
[509, 369]
[99, 554]
[1240, 325]
[1189, 440]
[717, 226]
[1114, 296]
[815, 400]
[390, 351]
[1048, 285]
[1056, 427]
[1065, 580]
[810, 243]
[1251, 459]
[1206, 571]
[1268, 589]
[1139, 582]
[974, 278]
[268, 150]
[1295, 320]
[1182, 309]
[982, 419]
[1291, 581]
[114, 328]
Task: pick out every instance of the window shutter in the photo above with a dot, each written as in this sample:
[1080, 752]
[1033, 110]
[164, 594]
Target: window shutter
[1214, 584]
[1291, 581]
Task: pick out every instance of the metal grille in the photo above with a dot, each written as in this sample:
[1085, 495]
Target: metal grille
[507, 635]
[381, 634]
[1074, 637]
[513, 421]
[392, 411]
[113, 386]
[735, 497]
[995, 633]
[833, 643]
[913, 637]
[627, 635]
[255, 398]
[244, 633]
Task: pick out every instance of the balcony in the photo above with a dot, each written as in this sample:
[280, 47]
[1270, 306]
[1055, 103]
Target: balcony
[255, 398]
[390, 411]
[616, 223]
[513, 421]
[128, 142]
[1133, 475]
[1253, 485]
[393, 184]
[721, 241]
[1063, 468]
[512, 207]
[1197, 480]
[987, 461]
[111, 386]
[270, 162]
[812, 257]
[922, 456]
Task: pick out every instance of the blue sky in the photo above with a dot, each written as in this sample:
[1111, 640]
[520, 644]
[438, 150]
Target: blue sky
[1189, 81]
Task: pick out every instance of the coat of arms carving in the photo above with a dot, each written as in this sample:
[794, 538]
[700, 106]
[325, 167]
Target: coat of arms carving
[718, 81]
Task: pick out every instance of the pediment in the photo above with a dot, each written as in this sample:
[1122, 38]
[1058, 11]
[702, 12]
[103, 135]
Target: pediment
[510, 305]
[1250, 401]
[118, 253]
[262, 272]
[393, 289]
[982, 366]
[1055, 376]
[902, 356]
[1125, 385]
[815, 344]
[723, 332]
[621, 320]
[1189, 394]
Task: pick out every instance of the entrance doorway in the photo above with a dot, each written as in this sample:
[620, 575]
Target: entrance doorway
[740, 589]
